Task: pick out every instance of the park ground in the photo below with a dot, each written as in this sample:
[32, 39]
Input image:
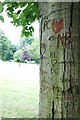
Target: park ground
[19, 90]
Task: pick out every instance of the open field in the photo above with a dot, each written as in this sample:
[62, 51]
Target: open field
[19, 90]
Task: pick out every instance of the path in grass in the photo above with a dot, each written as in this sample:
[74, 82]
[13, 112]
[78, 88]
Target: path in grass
[19, 90]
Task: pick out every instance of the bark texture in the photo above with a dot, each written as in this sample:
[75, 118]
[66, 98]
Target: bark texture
[59, 67]
[70, 93]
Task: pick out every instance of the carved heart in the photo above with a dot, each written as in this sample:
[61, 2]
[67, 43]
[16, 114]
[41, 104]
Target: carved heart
[57, 26]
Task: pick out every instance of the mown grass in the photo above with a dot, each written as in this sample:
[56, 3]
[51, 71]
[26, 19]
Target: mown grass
[19, 90]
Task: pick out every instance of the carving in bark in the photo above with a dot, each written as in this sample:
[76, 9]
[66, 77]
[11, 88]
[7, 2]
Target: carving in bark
[59, 67]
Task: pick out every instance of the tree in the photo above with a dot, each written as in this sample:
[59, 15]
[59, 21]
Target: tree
[30, 49]
[26, 41]
[22, 55]
[4, 46]
[25, 55]
[59, 71]
[59, 49]
[34, 50]
[12, 50]
[17, 56]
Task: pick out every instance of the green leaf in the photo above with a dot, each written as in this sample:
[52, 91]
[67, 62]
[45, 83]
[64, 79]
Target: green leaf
[1, 7]
[1, 18]
[18, 12]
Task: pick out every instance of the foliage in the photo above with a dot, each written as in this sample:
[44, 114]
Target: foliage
[34, 50]
[25, 55]
[23, 14]
[4, 45]
[22, 55]
[1, 9]
[17, 55]
[6, 48]
[26, 41]
[12, 50]
[31, 51]
[28, 51]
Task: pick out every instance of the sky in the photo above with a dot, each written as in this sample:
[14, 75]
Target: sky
[13, 33]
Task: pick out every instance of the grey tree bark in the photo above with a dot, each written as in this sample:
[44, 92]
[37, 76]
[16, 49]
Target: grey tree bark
[60, 56]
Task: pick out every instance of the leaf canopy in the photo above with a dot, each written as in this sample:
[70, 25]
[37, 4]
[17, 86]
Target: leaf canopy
[23, 14]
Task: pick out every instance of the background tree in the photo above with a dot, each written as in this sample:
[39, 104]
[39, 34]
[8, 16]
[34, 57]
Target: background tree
[34, 50]
[24, 41]
[12, 50]
[17, 56]
[28, 50]
[5, 46]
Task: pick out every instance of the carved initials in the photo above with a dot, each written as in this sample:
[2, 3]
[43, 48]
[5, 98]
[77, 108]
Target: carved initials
[46, 25]
[57, 27]
[62, 40]
[51, 37]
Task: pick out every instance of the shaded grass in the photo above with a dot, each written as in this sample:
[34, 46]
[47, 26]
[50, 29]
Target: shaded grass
[19, 90]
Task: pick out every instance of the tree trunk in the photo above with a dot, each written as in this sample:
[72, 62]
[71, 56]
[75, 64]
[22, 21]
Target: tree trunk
[70, 93]
[59, 67]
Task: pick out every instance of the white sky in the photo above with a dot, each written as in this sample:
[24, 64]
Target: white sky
[13, 33]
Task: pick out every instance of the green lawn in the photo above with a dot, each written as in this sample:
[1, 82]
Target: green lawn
[19, 90]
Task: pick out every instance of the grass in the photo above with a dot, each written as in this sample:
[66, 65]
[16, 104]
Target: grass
[19, 90]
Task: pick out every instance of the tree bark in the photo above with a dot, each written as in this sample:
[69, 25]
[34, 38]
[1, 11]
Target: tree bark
[70, 93]
[59, 66]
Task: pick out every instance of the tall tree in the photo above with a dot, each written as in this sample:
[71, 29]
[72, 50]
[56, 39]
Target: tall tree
[60, 69]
